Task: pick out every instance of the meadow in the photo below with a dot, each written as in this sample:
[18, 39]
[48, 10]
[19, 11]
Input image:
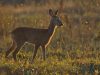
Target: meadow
[74, 49]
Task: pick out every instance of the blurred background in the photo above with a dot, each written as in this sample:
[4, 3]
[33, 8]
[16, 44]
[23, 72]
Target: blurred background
[74, 49]
[81, 20]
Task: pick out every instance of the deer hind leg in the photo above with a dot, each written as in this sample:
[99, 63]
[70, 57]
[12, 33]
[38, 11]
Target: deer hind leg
[13, 46]
[35, 51]
[44, 53]
[19, 45]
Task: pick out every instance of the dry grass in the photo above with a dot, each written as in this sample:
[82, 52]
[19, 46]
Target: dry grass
[73, 47]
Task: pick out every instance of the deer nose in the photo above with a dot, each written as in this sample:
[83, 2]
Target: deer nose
[61, 24]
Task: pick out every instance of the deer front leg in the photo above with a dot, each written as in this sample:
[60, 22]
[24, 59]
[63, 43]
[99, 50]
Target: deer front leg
[44, 53]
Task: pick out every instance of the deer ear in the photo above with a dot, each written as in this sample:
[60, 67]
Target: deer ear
[56, 12]
[50, 12]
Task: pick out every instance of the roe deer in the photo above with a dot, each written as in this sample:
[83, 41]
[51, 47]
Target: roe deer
[38, 37]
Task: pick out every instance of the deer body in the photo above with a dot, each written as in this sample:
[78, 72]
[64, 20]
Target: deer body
[38, 37]
[32, 35]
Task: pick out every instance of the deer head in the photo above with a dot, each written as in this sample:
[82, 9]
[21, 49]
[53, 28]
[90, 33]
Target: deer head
[55, 20]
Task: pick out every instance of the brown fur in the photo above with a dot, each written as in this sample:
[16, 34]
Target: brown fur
[39, 37]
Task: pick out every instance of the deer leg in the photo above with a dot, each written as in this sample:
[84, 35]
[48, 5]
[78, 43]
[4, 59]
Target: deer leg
[19, 45]
[35, 51]
[13, 46]
[44, 53]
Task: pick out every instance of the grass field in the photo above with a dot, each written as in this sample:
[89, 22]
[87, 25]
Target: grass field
[74, 49]
[58, 62]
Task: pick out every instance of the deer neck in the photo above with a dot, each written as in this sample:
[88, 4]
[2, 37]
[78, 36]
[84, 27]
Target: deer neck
[51, 29]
